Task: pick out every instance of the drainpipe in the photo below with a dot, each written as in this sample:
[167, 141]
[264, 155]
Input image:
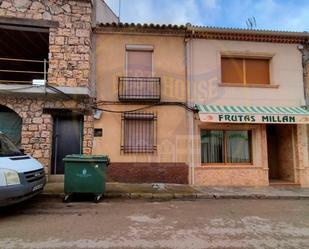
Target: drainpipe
[188, 66]
[304, 49]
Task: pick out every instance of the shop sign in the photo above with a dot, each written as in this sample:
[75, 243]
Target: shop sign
[260, 119]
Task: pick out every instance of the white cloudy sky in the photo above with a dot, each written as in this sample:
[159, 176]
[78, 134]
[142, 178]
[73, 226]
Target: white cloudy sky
[269, 14]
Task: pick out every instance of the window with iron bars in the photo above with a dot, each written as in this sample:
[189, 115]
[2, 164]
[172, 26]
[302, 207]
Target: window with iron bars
[139, 132]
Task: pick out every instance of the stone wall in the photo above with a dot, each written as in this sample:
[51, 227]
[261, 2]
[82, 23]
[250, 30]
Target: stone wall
[69, 43]
[69, 65]
[37, 127]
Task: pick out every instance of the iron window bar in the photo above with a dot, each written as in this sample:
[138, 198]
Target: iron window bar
[139, 88]
[139, 132]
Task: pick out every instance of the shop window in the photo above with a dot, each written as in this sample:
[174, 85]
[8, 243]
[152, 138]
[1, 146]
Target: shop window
[245, 70]
[138, 133]
[225, 147]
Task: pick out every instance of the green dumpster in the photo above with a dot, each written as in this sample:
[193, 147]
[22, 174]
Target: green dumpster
[84, 174]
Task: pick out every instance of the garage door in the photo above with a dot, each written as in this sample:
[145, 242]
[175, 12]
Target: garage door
[10, 124]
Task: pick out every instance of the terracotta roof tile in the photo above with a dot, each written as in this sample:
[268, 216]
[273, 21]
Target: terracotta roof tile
[142, 25]
[207, 32]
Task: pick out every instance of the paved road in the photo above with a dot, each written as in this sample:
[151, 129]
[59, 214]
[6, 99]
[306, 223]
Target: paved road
[48, 223]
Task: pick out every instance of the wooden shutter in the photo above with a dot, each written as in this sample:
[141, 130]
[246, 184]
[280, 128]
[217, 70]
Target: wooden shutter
[257, 71]
[232, 70]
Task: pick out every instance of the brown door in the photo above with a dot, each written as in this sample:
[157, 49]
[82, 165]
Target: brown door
[272, 150]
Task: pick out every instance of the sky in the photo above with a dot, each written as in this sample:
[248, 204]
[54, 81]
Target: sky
[290, 15]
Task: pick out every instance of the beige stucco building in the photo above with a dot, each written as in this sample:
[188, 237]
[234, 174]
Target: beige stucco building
[249, 123]
[251, 128]
[142, 68]
[176, 104]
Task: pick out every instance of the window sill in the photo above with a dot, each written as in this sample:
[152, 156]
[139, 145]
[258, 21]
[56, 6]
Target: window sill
[248, 85]
[228, 166]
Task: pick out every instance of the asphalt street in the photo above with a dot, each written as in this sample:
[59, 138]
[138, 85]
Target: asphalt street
[49, 223]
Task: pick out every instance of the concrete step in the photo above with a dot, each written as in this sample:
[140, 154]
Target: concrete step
[283, 184]
[55, 178]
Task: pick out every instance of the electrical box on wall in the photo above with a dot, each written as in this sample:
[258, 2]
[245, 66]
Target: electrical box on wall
[97, 114]
[98, 132]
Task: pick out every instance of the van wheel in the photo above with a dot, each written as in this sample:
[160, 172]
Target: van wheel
[67, 198]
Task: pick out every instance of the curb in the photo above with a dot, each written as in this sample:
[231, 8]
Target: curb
[186, 196]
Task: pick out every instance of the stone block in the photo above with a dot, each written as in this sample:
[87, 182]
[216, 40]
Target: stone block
[37, 6]
[37, 120]
[33, 127]
[59, 40]
[82, 33]
[5, 5]
[21, 4]
[66, 8]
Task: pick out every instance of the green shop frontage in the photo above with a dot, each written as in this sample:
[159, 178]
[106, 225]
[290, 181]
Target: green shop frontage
[251, 146]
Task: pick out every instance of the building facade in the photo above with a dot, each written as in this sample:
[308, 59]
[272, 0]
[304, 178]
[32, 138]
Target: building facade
[251, 127]
[46, 84]
[174, 104]
[141, 96]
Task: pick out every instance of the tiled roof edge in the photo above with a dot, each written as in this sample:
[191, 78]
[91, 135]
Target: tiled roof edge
[207, 32]
[246, 31]
[140, 25]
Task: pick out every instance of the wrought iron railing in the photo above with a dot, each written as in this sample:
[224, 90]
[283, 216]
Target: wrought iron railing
[139, 132]
[139, 88]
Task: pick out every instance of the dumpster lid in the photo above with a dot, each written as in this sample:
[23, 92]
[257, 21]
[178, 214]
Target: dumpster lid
[88, 158]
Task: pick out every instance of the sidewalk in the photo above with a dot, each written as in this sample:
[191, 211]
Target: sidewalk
[177, 191]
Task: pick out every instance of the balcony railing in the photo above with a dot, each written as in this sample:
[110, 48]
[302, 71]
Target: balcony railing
[139, 89]
[22, 71]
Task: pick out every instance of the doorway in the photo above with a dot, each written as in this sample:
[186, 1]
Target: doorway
[280, 147]
[10, 124]
[67, 139]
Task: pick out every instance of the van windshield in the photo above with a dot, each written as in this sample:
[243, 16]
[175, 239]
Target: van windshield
[7, 148]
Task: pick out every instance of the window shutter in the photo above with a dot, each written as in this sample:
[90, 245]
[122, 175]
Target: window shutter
[232, 70]
[139, 63]
[257, 71]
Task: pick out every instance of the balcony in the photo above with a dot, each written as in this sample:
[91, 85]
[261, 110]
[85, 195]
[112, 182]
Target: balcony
[23, 54]
[22, 71]
[137, 89]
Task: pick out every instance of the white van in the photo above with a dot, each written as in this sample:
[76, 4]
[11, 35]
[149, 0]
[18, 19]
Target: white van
[21, 176]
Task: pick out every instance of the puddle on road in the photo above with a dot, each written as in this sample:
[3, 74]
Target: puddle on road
[145, 219]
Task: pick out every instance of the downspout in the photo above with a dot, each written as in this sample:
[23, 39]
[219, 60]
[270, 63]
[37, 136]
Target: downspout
[192, 118]
[93, 50]
[188, 66]
[304, 49]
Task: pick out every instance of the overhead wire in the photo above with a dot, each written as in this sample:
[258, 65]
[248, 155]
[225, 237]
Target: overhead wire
[56, 90]
[181, 104]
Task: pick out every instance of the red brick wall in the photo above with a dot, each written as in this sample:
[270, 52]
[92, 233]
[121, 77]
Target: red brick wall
[148, 172]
